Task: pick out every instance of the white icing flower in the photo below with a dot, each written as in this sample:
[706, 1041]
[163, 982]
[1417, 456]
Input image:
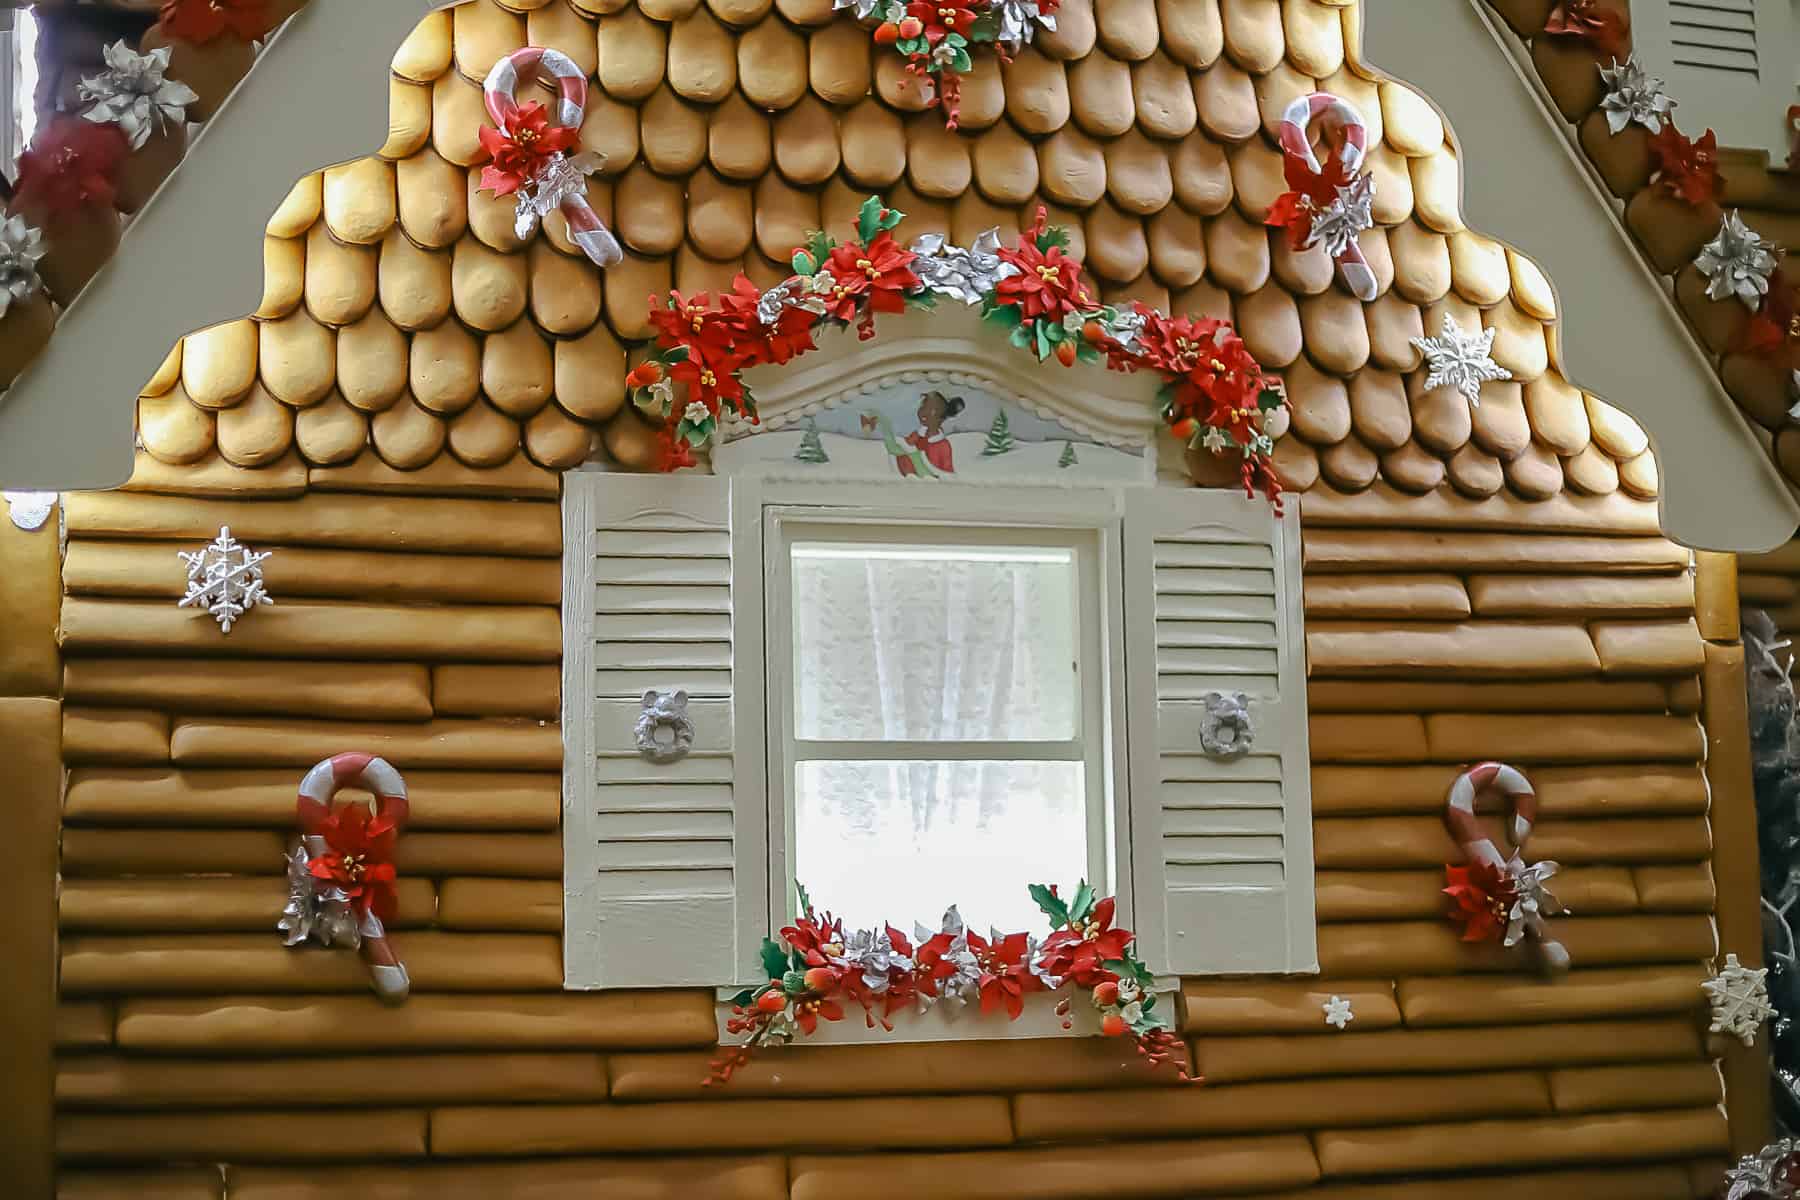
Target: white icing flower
[1129, 990]
[662, 393]
[1133, 1012]
[696, 413]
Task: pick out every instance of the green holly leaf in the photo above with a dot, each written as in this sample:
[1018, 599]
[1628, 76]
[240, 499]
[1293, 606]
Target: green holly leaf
[818, 246]
[1053, 235]
[1050, 904]
[923, 298]
[986, 27]
[890, 217]
[774, 958]
[1021, 337]
[913, 47]
[675, 354]
[794, 982]
[960, 62]
[805, 900]
[1007, 315]
[744, 998]
[1083, 903]
[803, 263]
[868, 220]
[1042, 338]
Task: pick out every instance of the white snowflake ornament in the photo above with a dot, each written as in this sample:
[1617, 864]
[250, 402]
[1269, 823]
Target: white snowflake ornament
[1460, 360]
[1337, 1012]
[1633, 96]
[1737, 262]
[225, 579]
[1739, 996]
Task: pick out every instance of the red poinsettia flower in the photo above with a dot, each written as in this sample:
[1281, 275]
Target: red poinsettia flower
[1601, 27]
[869, 279]
[945, 17]
[200, 21]
[523, 145]
[1048, 284]
[1777, 320]
[808, 1012]
[789, 337]
[359, 858]
[1078, 951]
[1481, 895]
[72, 164]
[1006, 973]
[1687, 169]
[673, 453]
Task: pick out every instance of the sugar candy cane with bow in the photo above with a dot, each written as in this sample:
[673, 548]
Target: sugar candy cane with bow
[1328, 204]
[1498, 896]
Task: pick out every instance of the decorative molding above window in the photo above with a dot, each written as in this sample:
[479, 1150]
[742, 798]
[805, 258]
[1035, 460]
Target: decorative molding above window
[1733, 65]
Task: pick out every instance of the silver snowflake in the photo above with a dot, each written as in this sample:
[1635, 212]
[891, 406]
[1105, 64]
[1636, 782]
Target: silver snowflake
[225, 579]
[1337, 1012]
[1633, 96]
[1350, 212]
[1762, 1174]
[950, 270]
[1739, 996]
[1017, 18]
[1460, 360]
[21, 249]
[136, 94]
[1738, 262]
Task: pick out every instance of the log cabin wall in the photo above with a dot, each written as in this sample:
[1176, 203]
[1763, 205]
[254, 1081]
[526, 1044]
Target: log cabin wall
[196, 1054]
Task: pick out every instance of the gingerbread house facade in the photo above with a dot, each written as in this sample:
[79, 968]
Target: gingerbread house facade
[436, 425]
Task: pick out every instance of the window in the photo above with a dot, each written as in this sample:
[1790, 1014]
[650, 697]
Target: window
[936, 696]
[1733, 65]
[909, 695]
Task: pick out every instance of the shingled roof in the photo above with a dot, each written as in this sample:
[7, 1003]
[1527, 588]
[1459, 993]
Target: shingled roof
[402, 318]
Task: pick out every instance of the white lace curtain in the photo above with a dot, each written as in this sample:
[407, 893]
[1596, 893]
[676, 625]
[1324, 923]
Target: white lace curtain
[941, 644]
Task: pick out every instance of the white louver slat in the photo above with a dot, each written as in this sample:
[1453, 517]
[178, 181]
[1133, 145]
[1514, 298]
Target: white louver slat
[651, 878]
[1731, 65]
[1221, 848]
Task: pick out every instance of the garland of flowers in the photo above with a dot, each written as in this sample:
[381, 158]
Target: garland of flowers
[936, 36]
[817, 972]
[1214, 394]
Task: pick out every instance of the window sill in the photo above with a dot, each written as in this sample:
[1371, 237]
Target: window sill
[953, 1023]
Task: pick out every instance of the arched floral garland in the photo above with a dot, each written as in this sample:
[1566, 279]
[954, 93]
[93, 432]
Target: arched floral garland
[817, 972]
[936, 37]
[1214, 394]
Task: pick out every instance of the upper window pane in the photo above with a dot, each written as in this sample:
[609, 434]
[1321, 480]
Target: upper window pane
[934, 642]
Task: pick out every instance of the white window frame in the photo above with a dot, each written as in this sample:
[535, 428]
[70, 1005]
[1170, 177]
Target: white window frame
[1087, 521]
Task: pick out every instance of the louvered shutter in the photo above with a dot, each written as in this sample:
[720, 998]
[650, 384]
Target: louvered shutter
[1222, 871]
[1732, 65]
[653, 882]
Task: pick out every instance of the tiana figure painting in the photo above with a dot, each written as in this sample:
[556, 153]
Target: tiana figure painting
[927, 450]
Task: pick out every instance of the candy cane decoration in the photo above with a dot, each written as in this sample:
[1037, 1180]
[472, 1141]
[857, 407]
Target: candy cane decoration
[1328, 205]
[1523, 895]
[529, 155]
[342, 872]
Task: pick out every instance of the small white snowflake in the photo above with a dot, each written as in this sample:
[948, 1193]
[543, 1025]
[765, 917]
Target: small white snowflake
[1739, 996]
[224, 585]
[1337, 1012]
[1460, 360]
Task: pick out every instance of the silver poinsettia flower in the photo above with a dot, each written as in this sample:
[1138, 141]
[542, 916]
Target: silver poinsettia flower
[796, 291]
[963, 984]
[1350, 212]
[21, 249]
[1763, 1174]
[1633, 96]
[871, 951]
[562, 177]
[1533, 900]
[135, 93]
[967, 274]
[1738, 262]
[1019, 20]
[321, 914]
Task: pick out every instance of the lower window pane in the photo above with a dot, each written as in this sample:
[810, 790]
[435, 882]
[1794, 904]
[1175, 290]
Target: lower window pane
[902, 841]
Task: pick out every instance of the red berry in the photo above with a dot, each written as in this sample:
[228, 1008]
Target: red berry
[1185, 428]
[887, 33]
[1112, 1025]
[771, 1002]
[1065, 353]
[911, 27]
[1094, 332]
[1106, 992]
[820, 979]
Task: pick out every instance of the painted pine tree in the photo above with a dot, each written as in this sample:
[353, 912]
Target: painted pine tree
[999, 438]
[1068, 458]
[811, 449]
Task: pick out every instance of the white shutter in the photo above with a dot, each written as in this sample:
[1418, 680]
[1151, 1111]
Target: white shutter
[1732, 65]
[1222, 870]
[655, 854]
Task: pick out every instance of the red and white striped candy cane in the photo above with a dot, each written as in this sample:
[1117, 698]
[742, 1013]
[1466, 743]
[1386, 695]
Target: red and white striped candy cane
[1466, 794]
[500, 92]
[1296, 119]
[386, 972]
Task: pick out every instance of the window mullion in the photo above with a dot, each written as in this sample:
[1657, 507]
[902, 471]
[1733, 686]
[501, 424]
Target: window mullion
[806, 750]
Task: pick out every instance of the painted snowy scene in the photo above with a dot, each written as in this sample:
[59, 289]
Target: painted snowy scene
[929, 431]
